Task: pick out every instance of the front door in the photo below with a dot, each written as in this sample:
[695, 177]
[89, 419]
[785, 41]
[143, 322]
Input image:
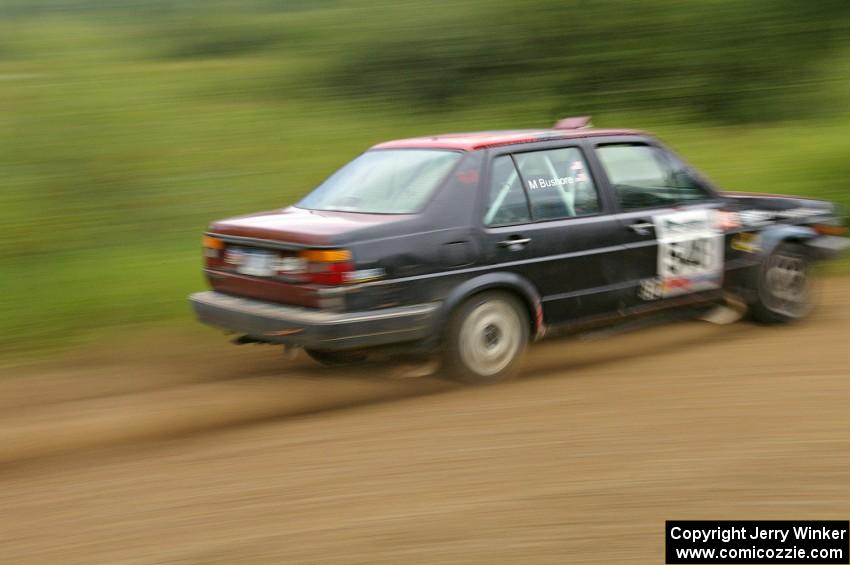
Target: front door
[544, 220]
[667, 223]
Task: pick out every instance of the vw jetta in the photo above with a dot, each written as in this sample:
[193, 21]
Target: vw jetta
[470, 245]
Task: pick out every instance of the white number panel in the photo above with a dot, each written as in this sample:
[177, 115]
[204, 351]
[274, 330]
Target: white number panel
[690, 252]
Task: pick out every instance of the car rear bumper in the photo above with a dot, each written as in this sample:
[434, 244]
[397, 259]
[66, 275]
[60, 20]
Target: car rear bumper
[291, 325]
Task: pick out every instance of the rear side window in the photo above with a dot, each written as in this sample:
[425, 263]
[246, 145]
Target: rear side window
[506, 202]
[644, 177]
[558, 183]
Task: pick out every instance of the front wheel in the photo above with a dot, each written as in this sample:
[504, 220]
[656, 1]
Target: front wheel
[486, 338]
[784, 288]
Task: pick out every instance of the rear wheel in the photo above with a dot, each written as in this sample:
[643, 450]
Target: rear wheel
[784, 292]
[486, 338]
[336, 358]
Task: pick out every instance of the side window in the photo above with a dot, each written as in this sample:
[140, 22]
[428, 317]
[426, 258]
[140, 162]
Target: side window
[506, 203]
[558, 183]
[644, 177]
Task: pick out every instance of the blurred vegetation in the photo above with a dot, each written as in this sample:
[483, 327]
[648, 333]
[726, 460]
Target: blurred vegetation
[127, 126]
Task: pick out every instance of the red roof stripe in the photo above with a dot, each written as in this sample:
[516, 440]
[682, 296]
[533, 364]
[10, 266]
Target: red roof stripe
[481, 140]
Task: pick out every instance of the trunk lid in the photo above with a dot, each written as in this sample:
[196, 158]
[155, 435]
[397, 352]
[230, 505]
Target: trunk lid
[302, 227]
[270, 255]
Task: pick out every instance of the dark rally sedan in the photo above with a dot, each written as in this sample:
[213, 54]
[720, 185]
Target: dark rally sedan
[470, 245]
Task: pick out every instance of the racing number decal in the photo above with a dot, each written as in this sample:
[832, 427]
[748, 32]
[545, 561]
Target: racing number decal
[690, 254]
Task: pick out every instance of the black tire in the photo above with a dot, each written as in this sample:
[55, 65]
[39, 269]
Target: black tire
[485, 339]
[784, 288]
[336, 358]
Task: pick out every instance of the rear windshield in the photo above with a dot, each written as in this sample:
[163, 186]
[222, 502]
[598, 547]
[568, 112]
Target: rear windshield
[383, 181]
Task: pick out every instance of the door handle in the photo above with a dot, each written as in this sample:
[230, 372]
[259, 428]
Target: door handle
[641, 228]
[519, 242]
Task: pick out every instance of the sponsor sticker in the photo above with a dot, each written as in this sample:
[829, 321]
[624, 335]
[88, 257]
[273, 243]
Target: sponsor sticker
[747, 242]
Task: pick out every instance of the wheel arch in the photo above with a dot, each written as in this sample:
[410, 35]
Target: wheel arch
[772, 237]
[510, 282]
[763, 305]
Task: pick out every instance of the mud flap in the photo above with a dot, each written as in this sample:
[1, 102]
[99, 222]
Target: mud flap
[732, 310]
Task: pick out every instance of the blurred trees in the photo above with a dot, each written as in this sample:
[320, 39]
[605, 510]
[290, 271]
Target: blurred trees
[722, 59]
[726, 60]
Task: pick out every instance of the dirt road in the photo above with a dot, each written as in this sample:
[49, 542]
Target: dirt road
[180, 449]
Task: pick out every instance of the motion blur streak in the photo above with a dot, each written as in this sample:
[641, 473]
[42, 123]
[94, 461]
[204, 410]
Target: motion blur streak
[585, 457]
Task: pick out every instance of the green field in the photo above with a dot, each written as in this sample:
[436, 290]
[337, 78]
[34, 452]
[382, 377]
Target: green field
[123, 134]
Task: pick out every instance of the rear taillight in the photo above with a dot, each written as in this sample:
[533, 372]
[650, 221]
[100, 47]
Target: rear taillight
[212, 246]
[213, 251]
[329, 273]
[327, 267]
[335, 267]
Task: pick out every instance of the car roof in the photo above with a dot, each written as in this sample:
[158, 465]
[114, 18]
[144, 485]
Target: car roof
[484, 139]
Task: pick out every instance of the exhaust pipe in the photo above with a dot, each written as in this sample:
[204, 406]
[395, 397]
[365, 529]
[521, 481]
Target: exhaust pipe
[243, 339]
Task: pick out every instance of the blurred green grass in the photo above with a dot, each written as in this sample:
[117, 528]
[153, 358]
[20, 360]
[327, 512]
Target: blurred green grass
[120, 139]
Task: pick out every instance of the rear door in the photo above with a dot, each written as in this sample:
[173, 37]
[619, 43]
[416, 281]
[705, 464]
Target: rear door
[668, 224]
[544, 218]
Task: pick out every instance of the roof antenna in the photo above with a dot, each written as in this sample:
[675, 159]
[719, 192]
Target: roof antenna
[575, 122]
